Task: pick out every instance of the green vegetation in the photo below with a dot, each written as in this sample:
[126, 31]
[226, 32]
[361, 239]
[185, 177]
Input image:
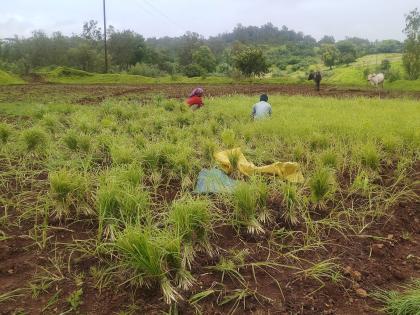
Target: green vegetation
[6, 78]
[116, 180]
[406, 302]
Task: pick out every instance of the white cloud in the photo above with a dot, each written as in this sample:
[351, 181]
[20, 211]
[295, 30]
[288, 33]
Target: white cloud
[374, 19]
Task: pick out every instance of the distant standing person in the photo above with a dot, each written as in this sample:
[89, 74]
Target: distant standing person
[262, 109]
[195, 100]
[316, 76]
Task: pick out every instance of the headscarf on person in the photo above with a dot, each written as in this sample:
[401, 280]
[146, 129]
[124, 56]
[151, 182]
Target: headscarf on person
[197, 92]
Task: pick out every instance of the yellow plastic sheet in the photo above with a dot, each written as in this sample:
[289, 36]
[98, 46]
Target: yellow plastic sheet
[285, 170]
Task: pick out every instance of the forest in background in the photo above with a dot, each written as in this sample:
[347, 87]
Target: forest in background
[192, 55]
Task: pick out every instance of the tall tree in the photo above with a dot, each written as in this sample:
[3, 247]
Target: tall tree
[126, 48]
[329, 55]
[411, 57]
[204, 57]
[347, 50]
[251, 62]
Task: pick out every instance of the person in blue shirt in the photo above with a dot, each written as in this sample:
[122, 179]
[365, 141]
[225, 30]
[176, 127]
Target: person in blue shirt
[262, 109]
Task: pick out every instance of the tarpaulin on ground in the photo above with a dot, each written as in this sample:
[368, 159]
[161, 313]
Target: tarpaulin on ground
[214, 181]
[286, 170]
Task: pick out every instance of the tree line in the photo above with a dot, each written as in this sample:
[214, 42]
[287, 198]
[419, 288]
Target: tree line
[246, 51]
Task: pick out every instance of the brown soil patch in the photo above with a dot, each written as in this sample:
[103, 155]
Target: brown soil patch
[94, 94]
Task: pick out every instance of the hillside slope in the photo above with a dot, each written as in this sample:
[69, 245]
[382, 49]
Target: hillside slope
[6, 78]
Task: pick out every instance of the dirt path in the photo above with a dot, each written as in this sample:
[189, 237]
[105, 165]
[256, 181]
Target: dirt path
[93, 94]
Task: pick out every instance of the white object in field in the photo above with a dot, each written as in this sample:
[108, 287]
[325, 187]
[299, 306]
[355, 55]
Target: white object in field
[376, 79]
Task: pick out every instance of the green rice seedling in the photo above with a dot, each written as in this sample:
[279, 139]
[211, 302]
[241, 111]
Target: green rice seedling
[51, 123]
[123, 153]
[322, 186]
[227, 266]
[11, 296]
[87, 123]
[131, 175]
[324, 270]
[177, 158]
[299, 152]
[209, 147]
[109, 123]
[237, 297]
[184, 120]
[5, 132]
[362, 184]
[154, 258]
[120, 205]
[84, 143]
[140, 141]
[156, 155]
[192, 220]
[249, 205]
[292, 201]
[228, 138]
[406, 302]
[234, 157]
[71, 140]
[34, 138]
[329, 159]
[319, 142]
[75, 300]
[369, 156]
[391, 144]
[68, 188]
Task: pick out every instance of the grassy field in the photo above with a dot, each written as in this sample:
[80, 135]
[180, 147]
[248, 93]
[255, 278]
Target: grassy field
[99, 199]
[6, 79]
[342, 76]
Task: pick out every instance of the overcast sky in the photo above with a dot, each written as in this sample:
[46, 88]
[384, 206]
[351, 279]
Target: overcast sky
[372, 19]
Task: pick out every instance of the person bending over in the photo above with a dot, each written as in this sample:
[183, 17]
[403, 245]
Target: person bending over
[262, 109]
[195, 100]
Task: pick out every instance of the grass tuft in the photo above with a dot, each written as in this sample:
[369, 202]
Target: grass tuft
[406, 302]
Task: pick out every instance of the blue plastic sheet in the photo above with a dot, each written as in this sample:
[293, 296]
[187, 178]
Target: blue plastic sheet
[214, 181]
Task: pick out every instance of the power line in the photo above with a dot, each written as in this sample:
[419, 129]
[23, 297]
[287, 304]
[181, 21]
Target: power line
[153, 10]
[163, 14]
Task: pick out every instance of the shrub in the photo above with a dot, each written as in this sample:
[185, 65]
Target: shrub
[194, 70]
[146, 70]
[34, 138]
[393, 75]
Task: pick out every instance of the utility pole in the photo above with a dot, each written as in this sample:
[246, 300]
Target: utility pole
[106, 48]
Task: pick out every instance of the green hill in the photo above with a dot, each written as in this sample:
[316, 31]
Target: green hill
[6, 79]
[355, 75]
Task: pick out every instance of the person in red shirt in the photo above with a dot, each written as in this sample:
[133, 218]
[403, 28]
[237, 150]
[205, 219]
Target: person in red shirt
[195, 100]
